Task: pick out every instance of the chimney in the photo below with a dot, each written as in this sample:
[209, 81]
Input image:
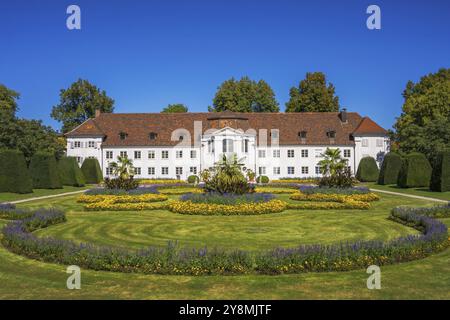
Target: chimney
[343, 115]
[97, 113]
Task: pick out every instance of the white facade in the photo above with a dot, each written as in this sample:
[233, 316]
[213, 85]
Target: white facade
[182, 161]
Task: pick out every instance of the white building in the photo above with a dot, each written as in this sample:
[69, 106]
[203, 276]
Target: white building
[176, 145]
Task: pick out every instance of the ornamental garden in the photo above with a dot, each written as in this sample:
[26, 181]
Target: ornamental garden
[226, 221]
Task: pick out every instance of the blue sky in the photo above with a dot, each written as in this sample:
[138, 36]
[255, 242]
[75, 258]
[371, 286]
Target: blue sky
[147, 54]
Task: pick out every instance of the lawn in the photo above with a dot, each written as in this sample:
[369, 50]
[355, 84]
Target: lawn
[7, 196]
[26, 278]
[424, 192]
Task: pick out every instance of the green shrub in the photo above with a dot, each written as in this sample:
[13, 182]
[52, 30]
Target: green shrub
[440, 176]
[91, 171]
[415, 171]
[262, 179]
[367, 170]
[193, 179]
[44, 171]
[390, 168]
[70, 173]
[121, 183]
[14, 175]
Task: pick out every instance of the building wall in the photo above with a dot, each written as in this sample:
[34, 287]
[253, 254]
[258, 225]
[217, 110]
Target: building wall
[252, 159]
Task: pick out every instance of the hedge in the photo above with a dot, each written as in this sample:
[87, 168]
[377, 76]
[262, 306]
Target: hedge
[390, 168]
[44, 171]
[70, 173]
[367, 170]
[14, 175]
[440, 176]
[415, 171]
[193, 179]
[92, 171]
[262, 179]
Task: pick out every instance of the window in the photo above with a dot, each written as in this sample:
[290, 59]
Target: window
[165, 154]
[179, 170]
[318, 153]
[379, 142]
[276, 153]
[151, 154]
[137, 171]
[305, 170]
[318, 170]
[123, 154]
[274, 133]
[331, 134]
[91, 144]
[276, 170]
[211, 146]
[165, 170]
[77, 144]
[109, 171]
[137, 154]
[262, 170]
[290, 153]
[245, 146]
[227, 145]
[181, 138]
[193, 170]
[302, 134]
[347, 153]
[179, 154]
[261, 153]
[123, 135]
[290, 170]
[152, 135]
[109, 154]
[193, 154]
[151, 171]
[365, 142]
[305, 153]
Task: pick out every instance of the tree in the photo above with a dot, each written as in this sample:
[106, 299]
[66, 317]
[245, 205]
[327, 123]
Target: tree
[25, 135]
[244, 95]
[424, 124]
[8, 101]
[313, 95]
[123, 168]
[175, 108]
[332, 162]
[79, 102]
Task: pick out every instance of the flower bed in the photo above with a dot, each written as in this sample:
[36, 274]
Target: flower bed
[106, 191]
[17, 237]
[295, 180]
[276, 190]
[189, 207]
[150, 197]
[161, 181]
[341, 198]
[177, 191]
[351, 204]
[128, 206]
[227, 198]
[330, 190]
[441, 211]
[10, 212]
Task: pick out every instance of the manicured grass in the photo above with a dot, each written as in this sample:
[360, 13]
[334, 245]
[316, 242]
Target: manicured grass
[7, 196]
[23, 278]
[422, 279]
[424, 192]
[287, 229]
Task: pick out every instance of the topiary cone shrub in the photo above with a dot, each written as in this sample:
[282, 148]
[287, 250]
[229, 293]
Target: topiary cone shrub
[440, 176]
[390, 168]
[14, 174]
[415, 171]
[70, 173]
[367, 170]
[92, 171]
[44, 171]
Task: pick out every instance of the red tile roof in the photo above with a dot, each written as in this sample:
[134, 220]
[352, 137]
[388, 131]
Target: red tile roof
[138, 126]
[368, 127]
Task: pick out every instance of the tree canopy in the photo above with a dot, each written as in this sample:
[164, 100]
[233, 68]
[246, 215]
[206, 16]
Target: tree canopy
[79, 102]
[424, 124]
[244, 95]
[175, 108]
[313, 95]
[28, 136]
